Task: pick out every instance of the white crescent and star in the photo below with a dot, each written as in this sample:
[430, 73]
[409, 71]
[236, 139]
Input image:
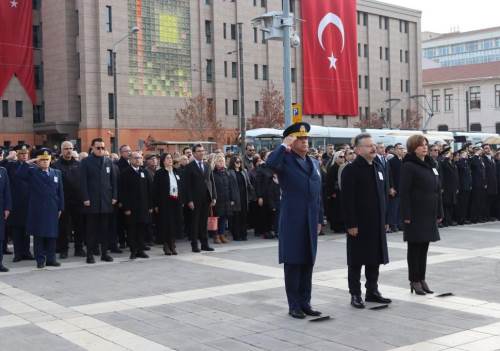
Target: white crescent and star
[331, 18]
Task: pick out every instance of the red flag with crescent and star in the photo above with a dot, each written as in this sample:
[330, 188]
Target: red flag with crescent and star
[330, 60]
[16, 45]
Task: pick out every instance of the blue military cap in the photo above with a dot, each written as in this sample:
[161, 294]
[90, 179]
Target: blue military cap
[44, 154]
[300, 129]
[22, 148]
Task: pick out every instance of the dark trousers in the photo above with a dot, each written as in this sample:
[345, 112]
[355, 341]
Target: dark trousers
[417, 261]
[476, 204]
[187, 223]
[21, 241]
[448, 213]
[354, 278]
[70, 222]
[298, 285]
[45, 249]
[135, 234]
[462, 206]
[97, 225]
[199, 217]
[1, 252]
[239, 225]
[121, 227]
[491, 206]
[263, 219]
[393, 212]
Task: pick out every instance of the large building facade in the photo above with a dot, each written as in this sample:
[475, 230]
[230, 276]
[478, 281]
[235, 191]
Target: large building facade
[185, 48]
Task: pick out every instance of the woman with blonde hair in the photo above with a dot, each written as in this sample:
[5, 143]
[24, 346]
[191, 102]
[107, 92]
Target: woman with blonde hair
[225, 198]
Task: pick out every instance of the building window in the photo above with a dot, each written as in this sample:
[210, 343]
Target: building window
[257, 108]
[407, 56]
[109, 19]
[234, 70]
[497, 128]
[256, 72]
[407, 25]
[235, 107]
[381, 83]
[442, 128]
[77, 22]
[254, 2]
[5, 108]
[38, 77]
[475, 127]
[37, 37]
[263, 38]
[233, 31]
[435, 100]
[367, 112]
[497, 95]
[360, 113]
[359, 82]
[386, 23]
[225, 69]
[381, 50]
[255, 35]
[387, 84]
[111, 105]
[387, 54]
[475, 98]
[380, 21]
[208, 31]
[448, 98]
[359, 49]
[367, 83]
[208, 2]
[366, 50]
[263, 3]
[226, 106]
[109, 62]
[77, 65]
[224, 28]
[38, 114]
[210, 73]
[365, 19]
[400, 55]
[264, 72]
[294, 75]
[36, 4]
[402, 85]
[407, 86]
[79, 107]
[19, 108]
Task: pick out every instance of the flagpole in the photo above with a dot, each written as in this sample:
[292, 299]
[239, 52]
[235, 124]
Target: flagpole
[287, 71]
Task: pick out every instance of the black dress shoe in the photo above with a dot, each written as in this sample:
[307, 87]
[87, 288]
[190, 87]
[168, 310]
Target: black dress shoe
[53, 264]
[195, 249]
[7, 252]
[40, 265]
[17, 259]
[147, 248]
[166, 250]
[106, 258]
[116, 250]
[207, 248]
[123, 246]
[299, 314]
[375, 296]
[96, 252]
[310, 312]
[80, 253]
[142, 254]
[133, 256]
[357, 301]
[90, 259]
[28, 257]
[63, 255]
[3, 269]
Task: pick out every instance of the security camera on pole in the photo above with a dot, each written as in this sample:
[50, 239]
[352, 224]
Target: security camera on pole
[276, 25]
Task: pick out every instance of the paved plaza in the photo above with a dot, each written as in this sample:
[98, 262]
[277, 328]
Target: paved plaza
[233, 299]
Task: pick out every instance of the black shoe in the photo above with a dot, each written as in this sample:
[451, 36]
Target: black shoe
[17, 259]
[394, 229]
[40, 265]
[7, 252]
[357, 301]
[116, 250]
[375, 296]
[299, 314]
[310, 312]
[53, 264]
[206, 248]
[166, 250]
[142, 254]
[80, 253]
[417, 288]
[194, 247]
[96, 252]
[90, 259]
[133, 256]
[426, 288]
[106, 258]
[3, 269]
[63, 255]
[28, 257]
[123, 246]
[467, 222]
[147, 248]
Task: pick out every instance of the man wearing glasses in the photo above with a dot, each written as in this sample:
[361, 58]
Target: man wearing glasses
[99, 193]
[248, 158]
[71, 218]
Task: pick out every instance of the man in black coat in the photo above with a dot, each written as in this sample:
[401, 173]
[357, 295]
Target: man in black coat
[118, 226]
[124, 161]
[449, 180]
[394, 174]
[263, 183]
[478, 193]
[491, 183]
[137, 204]
[364, 197]
[99, 194]
[464, 188]
[71, 218]
[200, 194]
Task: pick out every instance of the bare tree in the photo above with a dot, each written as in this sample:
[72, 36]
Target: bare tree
[199, 119]
[413, 121]
[374, 121]
[272, 114]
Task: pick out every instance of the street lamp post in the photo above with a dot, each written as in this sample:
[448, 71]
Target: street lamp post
[133, 30]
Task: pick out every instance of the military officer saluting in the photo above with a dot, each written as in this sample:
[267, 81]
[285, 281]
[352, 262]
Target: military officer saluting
[301, 216]
[46, 203]
[5, 207]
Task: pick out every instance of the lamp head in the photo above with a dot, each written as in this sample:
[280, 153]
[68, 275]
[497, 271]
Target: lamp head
[134, 30]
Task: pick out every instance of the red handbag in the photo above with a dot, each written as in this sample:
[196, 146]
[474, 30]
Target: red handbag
[212, 223]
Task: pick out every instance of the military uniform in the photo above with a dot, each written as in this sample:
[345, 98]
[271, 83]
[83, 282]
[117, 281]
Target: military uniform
[5, 205]
[301, 212]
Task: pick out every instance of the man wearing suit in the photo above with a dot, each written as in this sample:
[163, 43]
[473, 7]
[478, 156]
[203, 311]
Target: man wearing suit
[491, 183]
[364, 197]
[20, 194]
[479, 190]
[200, 194]
[137, 204]
[301, 216]
[99, 193]
[5, 208]
[394, 173]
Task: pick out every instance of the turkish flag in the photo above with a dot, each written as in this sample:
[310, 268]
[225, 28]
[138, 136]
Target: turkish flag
[330, 60]
[16, 45]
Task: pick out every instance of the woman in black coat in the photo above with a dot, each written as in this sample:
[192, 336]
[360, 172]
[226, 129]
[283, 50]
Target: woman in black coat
[449, 181]
[421, 209]
[333, 193]
[225, 197]
[168, 198]
[243, 193]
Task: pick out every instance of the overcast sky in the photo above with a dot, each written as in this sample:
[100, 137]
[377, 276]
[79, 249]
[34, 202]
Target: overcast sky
[442, 15]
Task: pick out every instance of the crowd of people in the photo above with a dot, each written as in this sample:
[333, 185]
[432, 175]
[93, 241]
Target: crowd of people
[105, 202]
